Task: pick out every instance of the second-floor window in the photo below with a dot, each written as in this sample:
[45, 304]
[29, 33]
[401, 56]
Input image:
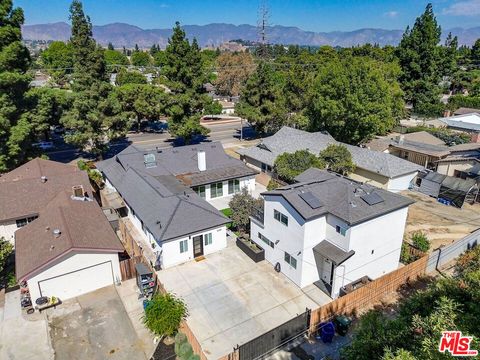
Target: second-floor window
[290, 260]
[233, 186]
[183, 246]
[280, 217]
[25, 221]
[341, 230]
[266, 240]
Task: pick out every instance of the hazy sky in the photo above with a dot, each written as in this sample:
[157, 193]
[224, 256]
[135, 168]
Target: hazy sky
[314, 15]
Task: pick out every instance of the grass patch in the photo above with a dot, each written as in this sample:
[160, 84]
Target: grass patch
[228, 213]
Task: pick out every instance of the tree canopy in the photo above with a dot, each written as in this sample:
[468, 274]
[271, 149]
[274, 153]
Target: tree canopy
[338, 159]
[289, 165]
[125, 76]
[58, 59]
[233, 71]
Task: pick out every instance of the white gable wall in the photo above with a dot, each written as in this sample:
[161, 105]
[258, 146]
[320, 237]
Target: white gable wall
[382, 235]
[401, 183]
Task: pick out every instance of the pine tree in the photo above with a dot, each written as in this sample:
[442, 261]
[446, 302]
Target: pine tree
[475, 54]
[89, 116]
[110, 46]
[15, 130]
[419, 56]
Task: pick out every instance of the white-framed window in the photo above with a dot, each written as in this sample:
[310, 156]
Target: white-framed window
[200, 190]
[280, 217]
[216, 190]
[266, 240]
[207, 239]
[233, 186]
[183, 246]
[341, 230]
[290, 260]
[25, 221]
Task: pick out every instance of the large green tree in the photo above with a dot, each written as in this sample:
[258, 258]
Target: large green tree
[337, 158]
[420, 58]
[91, 117]
[58, 59]
[125, 76]
[141, 58]
[15, 129]
[183, 69]
[355, 98]
[289, 165]
[475, 53]
[114, 57]
[262, 103]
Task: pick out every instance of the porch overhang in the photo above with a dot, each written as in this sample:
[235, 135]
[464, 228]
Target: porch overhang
[333, 252]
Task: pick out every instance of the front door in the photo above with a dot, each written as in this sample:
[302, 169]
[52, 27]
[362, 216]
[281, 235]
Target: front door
[198, 246]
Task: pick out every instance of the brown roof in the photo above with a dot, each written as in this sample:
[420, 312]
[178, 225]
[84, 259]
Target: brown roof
[82, 225]
[424, 137]
[463, 111]
[23, 193]
[465, 147]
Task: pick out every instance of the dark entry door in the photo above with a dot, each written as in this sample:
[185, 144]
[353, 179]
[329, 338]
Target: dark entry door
[198, 245]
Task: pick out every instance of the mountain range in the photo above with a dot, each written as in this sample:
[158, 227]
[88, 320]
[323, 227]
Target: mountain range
[121, 34]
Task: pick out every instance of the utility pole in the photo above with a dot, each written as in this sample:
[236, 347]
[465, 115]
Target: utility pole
[262, 24]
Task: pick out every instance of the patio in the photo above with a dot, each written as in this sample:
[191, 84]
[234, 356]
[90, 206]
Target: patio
[232, 300]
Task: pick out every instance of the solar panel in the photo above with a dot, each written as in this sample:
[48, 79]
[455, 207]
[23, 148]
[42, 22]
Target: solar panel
[310, 199]
[372, 199]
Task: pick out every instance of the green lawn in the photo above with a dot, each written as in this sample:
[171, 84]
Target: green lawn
[228, 213]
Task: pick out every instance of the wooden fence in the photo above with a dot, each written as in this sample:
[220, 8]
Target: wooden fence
[370, 294]
[127, 267]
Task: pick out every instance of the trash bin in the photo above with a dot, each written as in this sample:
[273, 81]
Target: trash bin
[342, 323]
[327, 332]
[145, 304]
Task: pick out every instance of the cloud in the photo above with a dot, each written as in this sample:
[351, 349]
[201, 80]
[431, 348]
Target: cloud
[463, 8]
[391, 14]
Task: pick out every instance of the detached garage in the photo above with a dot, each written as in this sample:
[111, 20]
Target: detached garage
[68, 251]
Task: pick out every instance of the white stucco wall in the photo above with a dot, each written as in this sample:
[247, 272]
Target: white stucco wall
[401, 183]
[7, 230]
[248, 182]
[172, 256]
[383, 236]
[76, 282]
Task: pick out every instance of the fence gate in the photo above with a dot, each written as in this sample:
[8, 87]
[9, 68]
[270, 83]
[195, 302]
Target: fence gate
[263, 345]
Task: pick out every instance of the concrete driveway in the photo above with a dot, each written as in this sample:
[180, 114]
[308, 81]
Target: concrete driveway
[23, 337]
[94, 326]
[232, 300]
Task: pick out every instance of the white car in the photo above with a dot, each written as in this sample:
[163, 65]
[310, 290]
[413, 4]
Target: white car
[44, 145]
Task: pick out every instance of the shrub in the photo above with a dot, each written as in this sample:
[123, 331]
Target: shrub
[272, 185]
[185, 351]
[420, 241]
[6, 249]
[164, 314]
[405, 254]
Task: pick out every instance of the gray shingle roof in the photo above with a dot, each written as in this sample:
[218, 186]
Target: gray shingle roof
[168, 208]
[290, 140]
[339, 196]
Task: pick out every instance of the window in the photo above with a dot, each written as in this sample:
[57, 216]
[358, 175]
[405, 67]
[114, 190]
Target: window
[290, 260]
[266, 168]
[280, 217]
[200, 190]
[183, 246]
[266, 241]
[233, 186]
[216, 190]
[25, 221]
[341, 230]
[207, 239]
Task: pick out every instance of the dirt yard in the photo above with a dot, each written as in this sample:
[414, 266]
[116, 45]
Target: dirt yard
[442, 224]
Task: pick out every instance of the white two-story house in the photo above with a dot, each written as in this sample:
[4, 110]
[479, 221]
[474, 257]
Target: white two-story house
[331, 231]
[166, 193]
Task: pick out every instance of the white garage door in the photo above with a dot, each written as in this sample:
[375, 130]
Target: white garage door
[78, 282]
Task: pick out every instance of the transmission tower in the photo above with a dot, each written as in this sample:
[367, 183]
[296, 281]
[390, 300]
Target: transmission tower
[262, 25]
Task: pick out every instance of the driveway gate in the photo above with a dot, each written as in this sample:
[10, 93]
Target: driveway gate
[263, 345]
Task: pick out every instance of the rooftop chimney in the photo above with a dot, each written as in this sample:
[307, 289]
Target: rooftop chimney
[78, 191]
[202, 160]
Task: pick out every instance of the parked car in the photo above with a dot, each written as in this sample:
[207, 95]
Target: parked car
[44, 145]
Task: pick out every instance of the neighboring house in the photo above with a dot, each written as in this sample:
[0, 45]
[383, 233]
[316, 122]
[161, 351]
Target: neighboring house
[462, 162]
[463, 111]
[331, 230]
[469, 123]
[420, 148]
[166, 194]
[376, 168]
[228, 107]
[64, 245]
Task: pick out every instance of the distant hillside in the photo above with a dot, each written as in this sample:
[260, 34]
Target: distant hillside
[214, 34]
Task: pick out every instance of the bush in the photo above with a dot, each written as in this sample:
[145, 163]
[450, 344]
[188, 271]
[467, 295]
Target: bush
[6, 249]
[272, 185]
[405, 254]
[420, 241]
[185, 351]
[164, 314]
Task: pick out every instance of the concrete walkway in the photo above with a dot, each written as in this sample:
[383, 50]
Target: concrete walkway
[129, 295]
[23, 337]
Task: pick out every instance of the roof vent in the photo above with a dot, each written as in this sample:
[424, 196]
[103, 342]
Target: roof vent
[159, 151]
[43, 179]
[56, 232]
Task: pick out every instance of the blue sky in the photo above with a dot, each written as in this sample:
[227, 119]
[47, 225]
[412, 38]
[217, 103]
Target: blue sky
[314, 15]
